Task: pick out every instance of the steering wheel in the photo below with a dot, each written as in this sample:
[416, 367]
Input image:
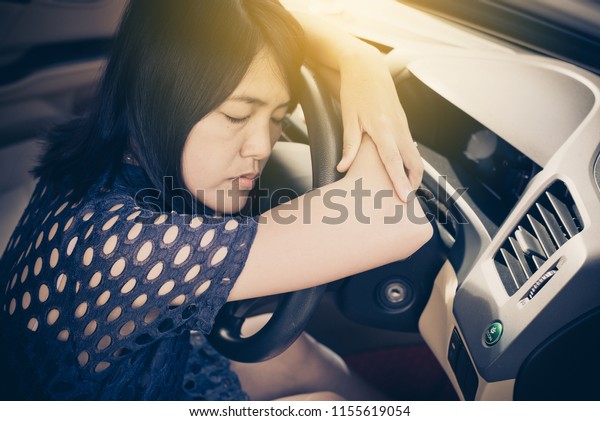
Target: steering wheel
[294, 309]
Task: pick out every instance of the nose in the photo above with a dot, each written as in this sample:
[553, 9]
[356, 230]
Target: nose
[257, 144]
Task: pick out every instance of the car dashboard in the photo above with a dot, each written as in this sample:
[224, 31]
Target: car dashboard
[510, 143]
[523, 162]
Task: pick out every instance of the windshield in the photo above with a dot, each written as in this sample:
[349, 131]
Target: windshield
[567, 29]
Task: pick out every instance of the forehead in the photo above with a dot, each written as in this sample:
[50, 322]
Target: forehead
[263, 81]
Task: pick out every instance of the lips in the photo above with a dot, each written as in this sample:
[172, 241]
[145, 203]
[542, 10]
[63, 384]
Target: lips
[246, 181]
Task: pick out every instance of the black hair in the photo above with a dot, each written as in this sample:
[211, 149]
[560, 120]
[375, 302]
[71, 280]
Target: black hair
[171, 64]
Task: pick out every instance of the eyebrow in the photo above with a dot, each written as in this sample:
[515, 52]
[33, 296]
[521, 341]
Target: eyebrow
[253, 100]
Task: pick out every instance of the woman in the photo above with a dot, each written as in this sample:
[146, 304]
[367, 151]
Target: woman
[106, 280]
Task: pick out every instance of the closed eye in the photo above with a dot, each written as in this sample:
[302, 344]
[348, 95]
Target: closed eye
[236, 120]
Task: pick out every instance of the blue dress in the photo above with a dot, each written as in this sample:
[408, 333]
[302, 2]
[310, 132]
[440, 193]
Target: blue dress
[106, 298]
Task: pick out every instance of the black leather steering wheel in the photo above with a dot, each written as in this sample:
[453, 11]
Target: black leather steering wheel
[293, 309]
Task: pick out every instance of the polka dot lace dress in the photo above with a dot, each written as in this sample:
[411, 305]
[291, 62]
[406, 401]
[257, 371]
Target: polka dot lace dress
[103, 298]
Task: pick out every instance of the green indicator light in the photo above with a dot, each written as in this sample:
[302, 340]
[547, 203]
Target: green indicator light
[492, 334]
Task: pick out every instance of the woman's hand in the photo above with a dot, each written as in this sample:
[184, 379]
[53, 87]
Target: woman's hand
[370, 105]
[369, 101]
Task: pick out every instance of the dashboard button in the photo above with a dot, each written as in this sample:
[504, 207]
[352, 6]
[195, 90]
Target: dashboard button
[492, 334]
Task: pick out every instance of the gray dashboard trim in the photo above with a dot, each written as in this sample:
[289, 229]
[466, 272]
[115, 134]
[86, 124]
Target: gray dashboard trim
[597, 171]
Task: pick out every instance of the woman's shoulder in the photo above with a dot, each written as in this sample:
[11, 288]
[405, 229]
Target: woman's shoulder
[108, 229]
[103, 272]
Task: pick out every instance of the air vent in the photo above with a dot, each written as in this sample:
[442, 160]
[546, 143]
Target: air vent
[547, 226]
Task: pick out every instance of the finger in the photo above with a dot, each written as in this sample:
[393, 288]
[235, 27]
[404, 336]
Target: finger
[413, 163]
[394, 165]
[352, 139]
[414, 177]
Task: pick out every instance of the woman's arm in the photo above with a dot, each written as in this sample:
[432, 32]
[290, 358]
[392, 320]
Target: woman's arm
[347, 227]
[358, 72]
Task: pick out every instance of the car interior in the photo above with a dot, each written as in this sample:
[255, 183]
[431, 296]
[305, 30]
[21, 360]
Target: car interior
[503, 302]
